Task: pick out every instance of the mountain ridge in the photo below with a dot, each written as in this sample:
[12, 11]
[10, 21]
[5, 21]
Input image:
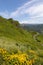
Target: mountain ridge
[33, 27]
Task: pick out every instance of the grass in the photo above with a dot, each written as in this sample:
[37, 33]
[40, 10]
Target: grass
[19, 43]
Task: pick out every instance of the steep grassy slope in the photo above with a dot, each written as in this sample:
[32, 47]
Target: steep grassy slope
[17, 46]
[11, 30]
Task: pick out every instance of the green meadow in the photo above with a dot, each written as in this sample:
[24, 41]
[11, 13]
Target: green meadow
[18, 46]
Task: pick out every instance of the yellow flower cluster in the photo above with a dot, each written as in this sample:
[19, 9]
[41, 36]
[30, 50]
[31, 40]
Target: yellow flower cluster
[3, 51]
[21, 57]
[30, 62]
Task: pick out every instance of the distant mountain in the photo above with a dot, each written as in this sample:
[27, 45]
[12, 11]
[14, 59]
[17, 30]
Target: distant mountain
[33, 27]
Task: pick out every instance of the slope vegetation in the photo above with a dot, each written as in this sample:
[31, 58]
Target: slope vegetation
[18, 46]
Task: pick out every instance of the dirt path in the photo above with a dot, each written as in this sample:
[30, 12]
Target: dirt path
[35, 37]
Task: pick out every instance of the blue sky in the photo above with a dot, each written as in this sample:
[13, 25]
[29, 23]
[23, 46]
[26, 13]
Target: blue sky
[25, 11]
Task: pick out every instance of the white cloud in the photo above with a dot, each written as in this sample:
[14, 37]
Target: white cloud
[21, 10]
[34, 10]
[33, 21]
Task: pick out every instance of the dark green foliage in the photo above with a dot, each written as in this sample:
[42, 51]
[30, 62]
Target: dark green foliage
[14, 22]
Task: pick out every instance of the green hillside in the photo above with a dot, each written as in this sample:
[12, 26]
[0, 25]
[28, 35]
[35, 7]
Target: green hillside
[18, 46]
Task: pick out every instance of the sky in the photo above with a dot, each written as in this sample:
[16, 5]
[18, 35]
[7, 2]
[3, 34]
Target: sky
[25, 11]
